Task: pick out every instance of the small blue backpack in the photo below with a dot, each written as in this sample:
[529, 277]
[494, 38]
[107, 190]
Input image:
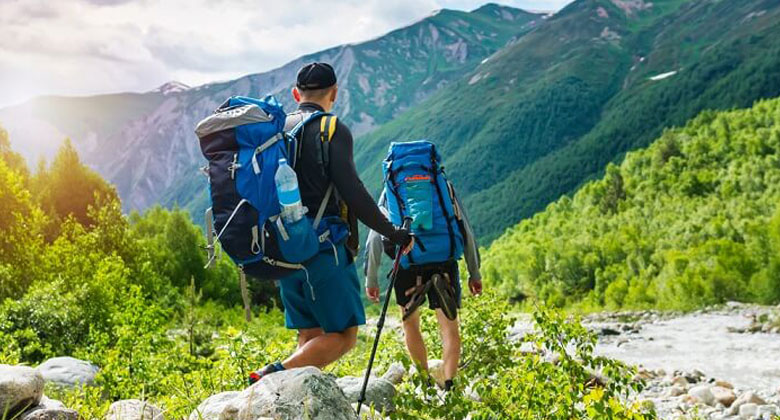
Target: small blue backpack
[243, 141]
[416, 187]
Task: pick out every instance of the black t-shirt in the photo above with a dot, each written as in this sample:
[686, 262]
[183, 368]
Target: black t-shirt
[341, 171]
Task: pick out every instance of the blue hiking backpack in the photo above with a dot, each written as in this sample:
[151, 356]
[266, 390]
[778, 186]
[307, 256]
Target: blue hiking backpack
[243, 141]
[416, 187]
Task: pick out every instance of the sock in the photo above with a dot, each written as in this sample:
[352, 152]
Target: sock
[447, 384]
[278, 366]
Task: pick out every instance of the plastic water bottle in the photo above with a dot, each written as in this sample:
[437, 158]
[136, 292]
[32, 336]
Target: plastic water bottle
[289, 195]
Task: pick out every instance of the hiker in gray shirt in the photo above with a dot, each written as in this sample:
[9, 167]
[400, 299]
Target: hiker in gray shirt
[410, 292]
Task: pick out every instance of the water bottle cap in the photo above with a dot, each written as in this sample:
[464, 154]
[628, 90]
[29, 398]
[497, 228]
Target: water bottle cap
[282, 161]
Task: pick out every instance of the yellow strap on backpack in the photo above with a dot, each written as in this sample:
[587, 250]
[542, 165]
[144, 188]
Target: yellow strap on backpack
[327, 125]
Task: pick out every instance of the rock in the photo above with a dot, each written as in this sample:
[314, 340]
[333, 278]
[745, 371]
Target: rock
[748, 411]
[472, 394]
[703, 394]
[643, 374]
[681, 381]
[21, 387]
[380, 392]
[213, 406]
[767, 411]
[133, 410]
[50, 414]
[724, 384]
[695, 376]
[746, 398]
[50, 403]
[436, 368]
[291, 394]
[395, 373]
[49, 409]
[607, 331]
[723, 395]
[675, 391]
[68, 372]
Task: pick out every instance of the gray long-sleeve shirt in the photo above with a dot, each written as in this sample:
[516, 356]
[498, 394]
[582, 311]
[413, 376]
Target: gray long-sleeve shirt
[375, 248]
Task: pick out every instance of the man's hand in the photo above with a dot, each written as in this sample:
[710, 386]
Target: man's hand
[403, 238]
[475, 286]
[373, 294]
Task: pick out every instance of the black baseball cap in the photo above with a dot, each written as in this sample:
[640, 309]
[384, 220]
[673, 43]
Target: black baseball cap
[315, 76]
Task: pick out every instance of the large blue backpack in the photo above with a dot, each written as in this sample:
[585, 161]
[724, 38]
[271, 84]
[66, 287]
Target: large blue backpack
[416, 187]
[243, 141]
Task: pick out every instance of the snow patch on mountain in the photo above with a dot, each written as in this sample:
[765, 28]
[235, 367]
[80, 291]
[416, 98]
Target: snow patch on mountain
[663, 76]
[171, 88]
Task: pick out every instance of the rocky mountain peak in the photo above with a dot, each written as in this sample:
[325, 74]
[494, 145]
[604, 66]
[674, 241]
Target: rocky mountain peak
[171, 87]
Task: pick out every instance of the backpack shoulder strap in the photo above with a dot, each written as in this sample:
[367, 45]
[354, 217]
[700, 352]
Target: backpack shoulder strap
[327, 129]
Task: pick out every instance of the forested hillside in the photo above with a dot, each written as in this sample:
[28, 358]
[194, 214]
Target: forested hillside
[598, 79]
[692, 220]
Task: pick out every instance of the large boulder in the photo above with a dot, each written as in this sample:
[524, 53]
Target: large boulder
[133, 410]
[291, 394]
[21, 387]
[214, 406]
[68, 372]
[379, 392]
[49, 409]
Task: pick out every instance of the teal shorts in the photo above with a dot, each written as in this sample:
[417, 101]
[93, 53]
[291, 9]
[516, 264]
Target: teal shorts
[326, 295]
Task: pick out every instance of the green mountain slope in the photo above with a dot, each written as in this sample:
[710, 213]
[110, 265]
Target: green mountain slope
[692, 220]
[549, 112]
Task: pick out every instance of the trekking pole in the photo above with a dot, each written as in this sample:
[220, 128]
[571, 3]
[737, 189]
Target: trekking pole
[381, 322]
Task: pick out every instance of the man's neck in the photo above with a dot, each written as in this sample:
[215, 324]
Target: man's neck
[317, 104]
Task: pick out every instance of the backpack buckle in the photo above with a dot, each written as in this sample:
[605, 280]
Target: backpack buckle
[233, 166]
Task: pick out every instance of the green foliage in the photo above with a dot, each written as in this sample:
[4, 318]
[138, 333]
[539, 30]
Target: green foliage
[554, 381]
[690, 221]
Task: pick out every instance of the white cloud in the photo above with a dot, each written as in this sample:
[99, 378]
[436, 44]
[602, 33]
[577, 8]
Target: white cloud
[94, 46]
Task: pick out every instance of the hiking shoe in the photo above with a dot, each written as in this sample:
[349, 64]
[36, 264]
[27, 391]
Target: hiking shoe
[447, 300]
[448, 385]
[257, 375]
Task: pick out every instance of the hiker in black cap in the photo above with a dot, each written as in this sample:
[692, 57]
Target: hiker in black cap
[323, 302]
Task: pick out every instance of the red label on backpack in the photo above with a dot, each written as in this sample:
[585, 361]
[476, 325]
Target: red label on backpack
[416, 178]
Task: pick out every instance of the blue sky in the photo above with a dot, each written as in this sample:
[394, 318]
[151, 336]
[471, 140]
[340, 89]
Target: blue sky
[82, 47]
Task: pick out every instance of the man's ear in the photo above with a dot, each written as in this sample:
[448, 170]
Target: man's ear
[334, 94]
[296, 95]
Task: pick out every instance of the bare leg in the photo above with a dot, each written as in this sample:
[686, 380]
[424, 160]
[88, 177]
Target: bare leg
[306, 335]
[323, 349]
[450, 337]
[414, 340]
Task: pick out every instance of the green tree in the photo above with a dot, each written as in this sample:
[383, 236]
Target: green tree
[21, 238]
[70, 188]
